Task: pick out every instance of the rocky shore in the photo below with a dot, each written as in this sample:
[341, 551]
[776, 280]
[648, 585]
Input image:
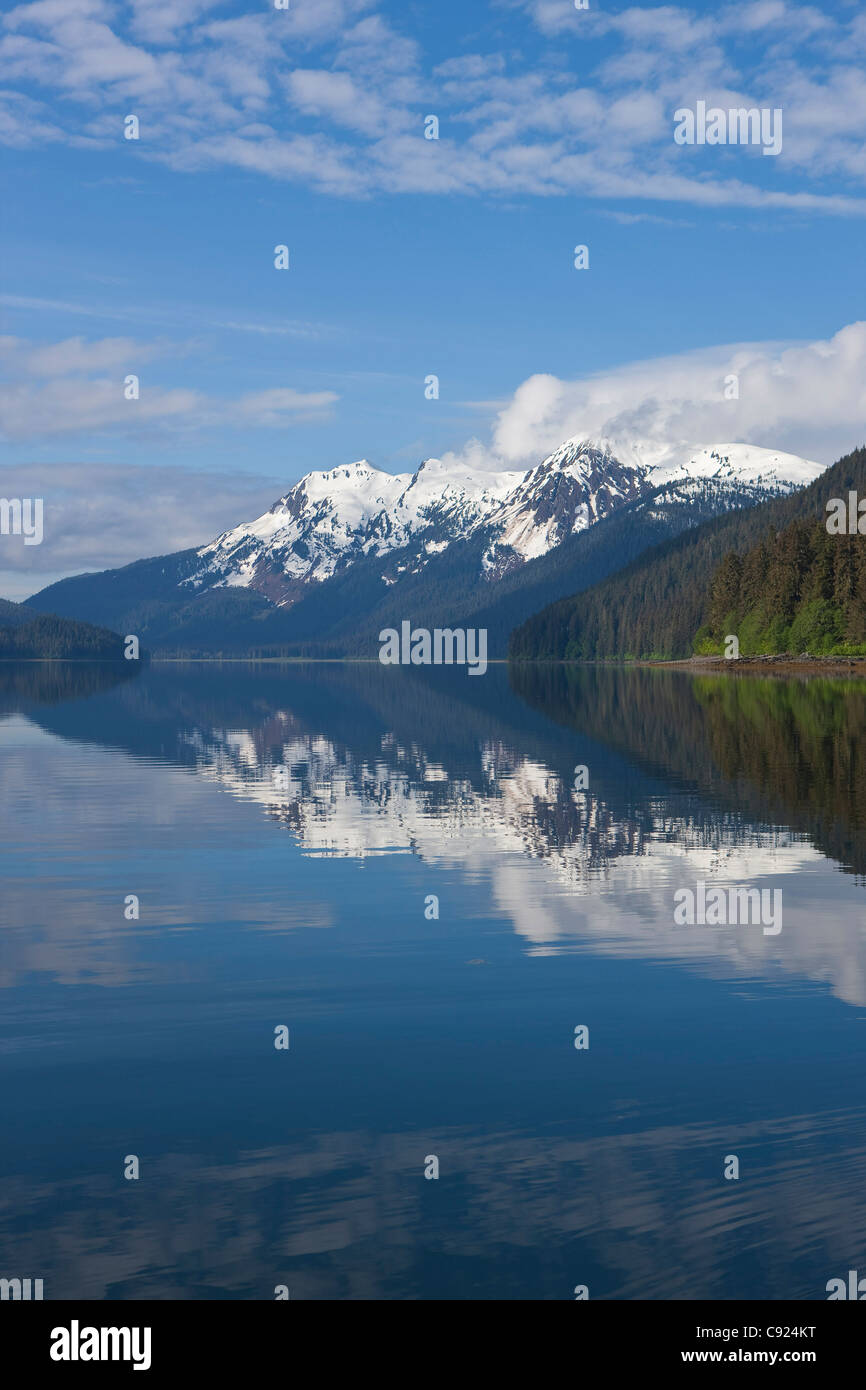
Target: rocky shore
[783, 664]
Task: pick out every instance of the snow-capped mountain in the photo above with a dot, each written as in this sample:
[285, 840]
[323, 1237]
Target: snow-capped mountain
[329, 520]
[348, 552]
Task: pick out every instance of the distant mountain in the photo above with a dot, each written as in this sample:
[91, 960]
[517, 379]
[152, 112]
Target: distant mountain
[25, 635]
[788, 590]
[328, 521]
[347, 552]
[13, 614]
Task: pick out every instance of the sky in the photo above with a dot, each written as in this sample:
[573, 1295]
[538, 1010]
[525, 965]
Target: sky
[409, 257]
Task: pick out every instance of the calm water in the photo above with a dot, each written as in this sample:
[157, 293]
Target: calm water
[297, 898]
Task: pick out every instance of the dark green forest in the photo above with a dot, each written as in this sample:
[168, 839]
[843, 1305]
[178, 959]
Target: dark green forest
[779, 750]
[764, 573]
[798, 590]
[55, 638]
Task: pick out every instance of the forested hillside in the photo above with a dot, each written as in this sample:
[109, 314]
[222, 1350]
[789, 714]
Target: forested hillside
[24, 636]
[797, 590]
[663, 605]
[13, 614]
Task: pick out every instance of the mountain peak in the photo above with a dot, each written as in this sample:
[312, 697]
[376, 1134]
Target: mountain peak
[330, 519]
[586, 444]
[349, 470]
[448, 534]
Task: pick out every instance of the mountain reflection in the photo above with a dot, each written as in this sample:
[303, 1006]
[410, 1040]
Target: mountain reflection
[727, 780]
[283, 827]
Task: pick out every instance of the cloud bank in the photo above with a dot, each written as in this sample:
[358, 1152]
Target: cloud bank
[803, 398]
[334, 95]
[99, 516]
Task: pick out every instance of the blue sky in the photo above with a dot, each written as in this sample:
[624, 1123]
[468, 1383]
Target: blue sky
[408, 256]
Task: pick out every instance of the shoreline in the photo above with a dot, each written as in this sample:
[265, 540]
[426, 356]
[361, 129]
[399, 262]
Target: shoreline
[783, 664]
[769, 665]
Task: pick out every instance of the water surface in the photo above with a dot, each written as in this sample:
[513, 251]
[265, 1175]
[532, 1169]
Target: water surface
[285, 829]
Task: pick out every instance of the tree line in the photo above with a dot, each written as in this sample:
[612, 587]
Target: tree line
[764, 569]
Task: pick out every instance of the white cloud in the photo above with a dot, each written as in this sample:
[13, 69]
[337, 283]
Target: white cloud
[336, 96]
[803, 398]
[75, 355]
[98, 516]
[273, 408]
[59, 389]
[160, 21]
[211, 92]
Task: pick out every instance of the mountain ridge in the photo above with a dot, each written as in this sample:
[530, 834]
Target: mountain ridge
[660, 604]
[329, 519]
[344, 551]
